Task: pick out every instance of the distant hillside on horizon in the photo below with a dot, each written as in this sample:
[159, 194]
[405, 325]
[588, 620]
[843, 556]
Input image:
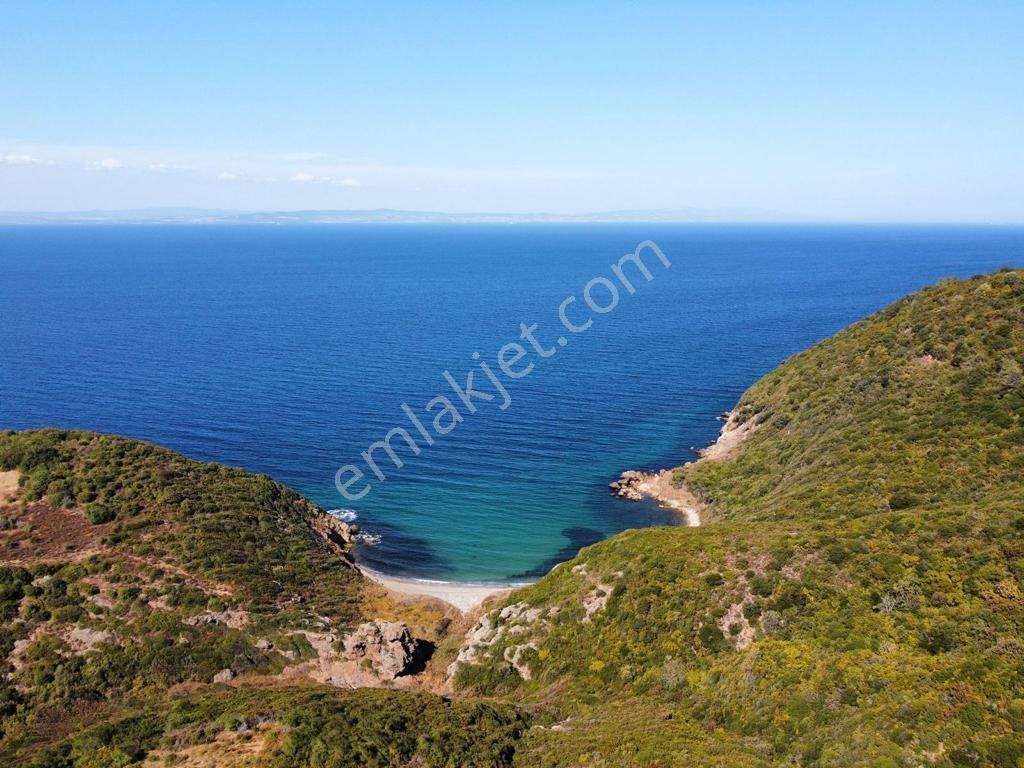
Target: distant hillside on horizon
[393, 216]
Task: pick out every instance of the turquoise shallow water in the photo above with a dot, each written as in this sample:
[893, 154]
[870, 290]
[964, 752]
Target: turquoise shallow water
[290, 350]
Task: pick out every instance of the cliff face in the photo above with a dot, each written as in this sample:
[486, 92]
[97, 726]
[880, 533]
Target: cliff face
[856, 595]
[855, 598]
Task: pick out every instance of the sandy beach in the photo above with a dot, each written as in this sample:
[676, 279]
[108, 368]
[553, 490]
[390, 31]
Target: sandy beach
[465, 597]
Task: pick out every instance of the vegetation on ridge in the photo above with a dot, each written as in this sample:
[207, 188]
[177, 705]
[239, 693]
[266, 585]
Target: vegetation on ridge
[222, 524]
[856, 599]
[128, 571]
[917, 405]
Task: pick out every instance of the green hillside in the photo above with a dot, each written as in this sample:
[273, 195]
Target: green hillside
[918, 405]
[220, 524]
[856, 596]
[131, 577]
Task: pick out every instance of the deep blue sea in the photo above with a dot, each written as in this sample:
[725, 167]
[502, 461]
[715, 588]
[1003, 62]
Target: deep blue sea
[289, 350]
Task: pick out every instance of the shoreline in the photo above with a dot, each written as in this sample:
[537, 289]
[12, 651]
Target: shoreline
[659, 486]
[464, 596]
[632, 484]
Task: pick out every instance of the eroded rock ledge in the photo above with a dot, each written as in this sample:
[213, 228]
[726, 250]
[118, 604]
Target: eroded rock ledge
[662, 485]
[336, 533]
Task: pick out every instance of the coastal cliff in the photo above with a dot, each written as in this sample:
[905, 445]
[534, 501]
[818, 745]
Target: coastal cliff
[134, 581]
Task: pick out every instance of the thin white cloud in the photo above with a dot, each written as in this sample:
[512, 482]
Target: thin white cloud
[309, 178]
[166, 167]
[302, 157]
[268, 166]
[77, 176]
[20, 159]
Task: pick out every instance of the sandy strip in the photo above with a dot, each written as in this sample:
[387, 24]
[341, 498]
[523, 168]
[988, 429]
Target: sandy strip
[465, 597]
[8, 484]
[660, 487]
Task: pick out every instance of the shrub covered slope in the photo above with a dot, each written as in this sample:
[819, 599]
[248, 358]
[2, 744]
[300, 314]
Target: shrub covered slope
[855, 598]
[132, 578]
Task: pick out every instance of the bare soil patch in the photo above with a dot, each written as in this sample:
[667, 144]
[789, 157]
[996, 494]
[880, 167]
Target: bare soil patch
[9, 486]
[41, 532]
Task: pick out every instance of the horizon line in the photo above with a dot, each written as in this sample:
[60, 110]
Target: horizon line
[381, 215]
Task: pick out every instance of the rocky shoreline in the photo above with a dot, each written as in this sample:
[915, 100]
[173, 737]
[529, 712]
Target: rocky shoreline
[635, 485]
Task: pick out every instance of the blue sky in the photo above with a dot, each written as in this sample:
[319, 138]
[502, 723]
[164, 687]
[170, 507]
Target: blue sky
[844, 110]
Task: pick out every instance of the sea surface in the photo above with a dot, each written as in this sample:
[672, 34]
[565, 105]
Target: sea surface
[289, 350]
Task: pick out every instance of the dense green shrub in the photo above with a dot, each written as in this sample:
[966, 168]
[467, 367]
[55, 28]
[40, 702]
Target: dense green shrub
[856, 598]
[97, 513]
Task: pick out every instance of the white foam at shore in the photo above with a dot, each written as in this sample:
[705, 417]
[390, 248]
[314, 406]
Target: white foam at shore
[345, 515]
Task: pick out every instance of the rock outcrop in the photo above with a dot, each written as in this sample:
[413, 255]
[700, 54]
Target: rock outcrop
[493, 629]
[665, 488]
[388, 646]
[83, 639]
[662, 487]
[232, 619]
[597, 599]
[627, 486]
[335, 532]
[733, 434]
